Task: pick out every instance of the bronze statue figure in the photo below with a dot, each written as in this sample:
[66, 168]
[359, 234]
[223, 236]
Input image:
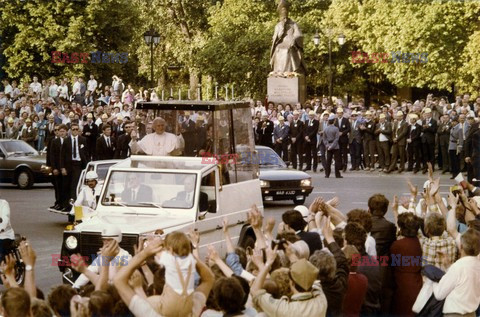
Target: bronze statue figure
[287, 48]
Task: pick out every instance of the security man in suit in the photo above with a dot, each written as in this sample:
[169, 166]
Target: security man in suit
[105, 147]
[29, 133]
[399, 139]
[414, 142]
[311, 130]
[475, 154]
[429, 129]
[355, 141]
[54, 150]
[122, 148]
[296, 137]
[264, 131]
[443, 133]
[90, 132]
[468, 147]
[331, 137]
[383, 133]
[322, 125]
[280, 137]
[344, 127]
[369, 143]
[73, 159]
[188, 133]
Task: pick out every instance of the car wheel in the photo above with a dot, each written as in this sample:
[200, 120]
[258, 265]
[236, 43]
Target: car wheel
[24, 179]
[299, 201]
[249, 241]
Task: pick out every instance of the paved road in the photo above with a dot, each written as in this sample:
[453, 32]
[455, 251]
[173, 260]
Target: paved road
[31, 218]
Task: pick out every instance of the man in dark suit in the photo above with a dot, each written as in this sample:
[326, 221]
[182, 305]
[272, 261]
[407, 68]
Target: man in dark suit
[122, 148]
[265, 131]
[54, 150]
[90, 132]
[73, 159]
[399, 135]
[142, 129]
[50, 131]
[469, 148]
[322, 125]
[414, 131]
[344, 127]
[331, 136]
[185, 197]
[200, 134]
[383, 132]
[429, 129]
[311, 130]
[296, 136]
[369, 143]
[188, 133]
[475, 158]
[280, 136]
[355, 142]
[136, 192]
[105, 147]
[443, 133]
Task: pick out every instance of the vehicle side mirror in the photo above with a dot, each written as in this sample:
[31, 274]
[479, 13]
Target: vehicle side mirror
[2, 155]
[212, 206]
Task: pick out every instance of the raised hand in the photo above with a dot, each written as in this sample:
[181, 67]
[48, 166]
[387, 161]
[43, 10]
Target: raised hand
[255, 218]
[334, 202]
[27, 253]
[78, 263]
[413, 189]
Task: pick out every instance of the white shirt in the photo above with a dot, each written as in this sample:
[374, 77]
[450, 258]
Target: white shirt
[6, 230]
[370, 245]
[76, 88]
[86, 197]
[171, 275]
[75, 142]
[460, 286]
[92, 85]
[53, 91]
[156, 144]
[8, 89]
[36, 87]
[382, 137]
[63, 91]
[108, 141]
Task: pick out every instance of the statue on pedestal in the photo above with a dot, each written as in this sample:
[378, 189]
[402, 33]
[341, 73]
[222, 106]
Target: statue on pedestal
[286, 55]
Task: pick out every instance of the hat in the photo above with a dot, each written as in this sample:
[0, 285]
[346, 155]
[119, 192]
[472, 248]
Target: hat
[200, 118]
[339, 110]
[104, 116]
[331, 117]
[112, 232]
[399, 113]
[296, 112]
[71, 114]
[280, 118]
[10, 120]
[470, 116]
[91, 175]
[303, 210]
[382, 116]
[303, 273]
[354, 113]
[311, 113]
[28, 120]
[89, 115]
[119, 117]
[426, 184]
[427, 110]
[368, 113]
[326, 113]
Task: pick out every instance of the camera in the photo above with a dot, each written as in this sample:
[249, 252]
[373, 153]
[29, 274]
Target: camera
[280, 242]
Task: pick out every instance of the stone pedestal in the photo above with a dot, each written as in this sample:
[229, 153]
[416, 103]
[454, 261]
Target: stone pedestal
[286, 90]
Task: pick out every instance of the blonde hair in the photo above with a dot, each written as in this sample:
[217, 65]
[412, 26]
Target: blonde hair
[179, 243]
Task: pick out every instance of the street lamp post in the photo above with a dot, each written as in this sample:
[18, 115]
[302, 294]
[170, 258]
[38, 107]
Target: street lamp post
[151, 37]
[341, 41]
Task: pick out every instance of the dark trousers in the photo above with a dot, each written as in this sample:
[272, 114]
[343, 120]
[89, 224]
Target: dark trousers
[58, 186]
[443, 148]
[72, 179]
[384, 154]
[335, 154]
[414, 156]
[355, 154]
[344, 152]
[428, 154]
[454, 162]
[311, 150]
[282, 150]
[369, 153]
[323, 154]
[398, 151]
[296, 149]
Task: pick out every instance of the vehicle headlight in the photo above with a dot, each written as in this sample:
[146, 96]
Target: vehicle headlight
[264, 183]
[71, 242]
[45, 169]
[306, 182]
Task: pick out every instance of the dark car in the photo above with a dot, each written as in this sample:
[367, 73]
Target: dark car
[279, 182]
[22, 165]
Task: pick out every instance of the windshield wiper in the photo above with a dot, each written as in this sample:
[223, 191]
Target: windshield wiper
[28, 153]
[154, 205]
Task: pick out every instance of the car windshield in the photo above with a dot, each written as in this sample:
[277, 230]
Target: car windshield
[150, 189]
[268, 157]
[18, 147]
[102, 170]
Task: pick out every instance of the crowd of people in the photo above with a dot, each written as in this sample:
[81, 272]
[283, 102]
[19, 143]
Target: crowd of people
[318, 261]
[384, 138]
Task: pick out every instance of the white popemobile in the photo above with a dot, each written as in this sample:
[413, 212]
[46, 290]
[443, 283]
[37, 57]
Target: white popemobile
[148, 195]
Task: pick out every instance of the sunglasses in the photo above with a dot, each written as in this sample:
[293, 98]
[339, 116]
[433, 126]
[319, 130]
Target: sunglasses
[76, 129]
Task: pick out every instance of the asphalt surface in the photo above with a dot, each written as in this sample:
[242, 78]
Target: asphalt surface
[29, 215]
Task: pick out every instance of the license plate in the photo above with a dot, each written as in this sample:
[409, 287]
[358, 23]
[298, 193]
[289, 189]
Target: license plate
[283, 192]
